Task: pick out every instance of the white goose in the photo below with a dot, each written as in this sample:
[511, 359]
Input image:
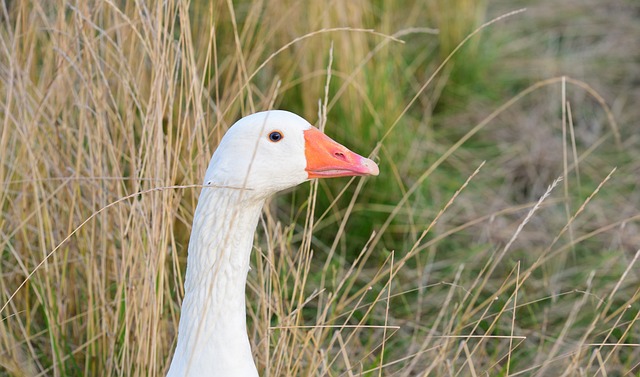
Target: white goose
[260, 155]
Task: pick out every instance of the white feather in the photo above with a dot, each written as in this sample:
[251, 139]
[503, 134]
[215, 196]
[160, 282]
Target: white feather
[212, 335]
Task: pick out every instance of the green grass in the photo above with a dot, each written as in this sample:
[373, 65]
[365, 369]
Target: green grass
[432, 268]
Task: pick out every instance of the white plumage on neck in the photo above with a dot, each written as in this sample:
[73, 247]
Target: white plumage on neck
[212, 337]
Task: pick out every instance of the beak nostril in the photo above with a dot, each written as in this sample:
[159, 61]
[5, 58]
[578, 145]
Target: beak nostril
[339, 155]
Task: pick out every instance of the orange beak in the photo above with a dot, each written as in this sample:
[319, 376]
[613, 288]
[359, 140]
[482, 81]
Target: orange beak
[326, 158]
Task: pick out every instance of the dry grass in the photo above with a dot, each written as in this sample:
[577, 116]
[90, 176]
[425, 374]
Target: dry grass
[444, 265]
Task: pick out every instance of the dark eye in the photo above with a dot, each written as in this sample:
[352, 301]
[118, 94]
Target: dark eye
[275, 136]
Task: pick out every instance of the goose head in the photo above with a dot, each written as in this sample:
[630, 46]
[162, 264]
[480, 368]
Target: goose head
[270, 151]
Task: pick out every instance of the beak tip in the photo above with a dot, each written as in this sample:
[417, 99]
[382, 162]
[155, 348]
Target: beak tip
[372, 167]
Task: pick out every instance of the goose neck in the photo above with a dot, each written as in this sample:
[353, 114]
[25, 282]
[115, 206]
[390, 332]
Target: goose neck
[212, 335]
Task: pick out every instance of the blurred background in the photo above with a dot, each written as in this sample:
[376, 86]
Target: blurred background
[403, 274]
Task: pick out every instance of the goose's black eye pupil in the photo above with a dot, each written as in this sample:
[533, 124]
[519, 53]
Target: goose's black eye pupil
[275, 136]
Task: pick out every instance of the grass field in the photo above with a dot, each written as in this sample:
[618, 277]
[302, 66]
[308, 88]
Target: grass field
[502, 237]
